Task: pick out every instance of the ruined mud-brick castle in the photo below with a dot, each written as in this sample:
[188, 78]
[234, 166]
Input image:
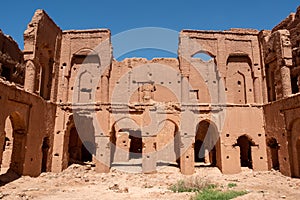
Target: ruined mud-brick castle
[241, 108]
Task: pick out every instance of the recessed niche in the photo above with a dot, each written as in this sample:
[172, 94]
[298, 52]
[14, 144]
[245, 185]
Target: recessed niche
[227, 135]
[227, 157]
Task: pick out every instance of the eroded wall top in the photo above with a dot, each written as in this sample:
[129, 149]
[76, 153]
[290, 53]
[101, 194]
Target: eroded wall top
[11, 60]
[237, 59]
[42, 41]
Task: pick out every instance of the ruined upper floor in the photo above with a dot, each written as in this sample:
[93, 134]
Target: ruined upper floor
[251, 67]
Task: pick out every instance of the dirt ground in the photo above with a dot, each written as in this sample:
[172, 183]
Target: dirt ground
[81, 182]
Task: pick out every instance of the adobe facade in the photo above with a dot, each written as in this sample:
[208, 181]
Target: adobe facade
[65, 99]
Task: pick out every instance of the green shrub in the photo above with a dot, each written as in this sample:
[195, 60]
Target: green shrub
[212, 194]
[192, 185]
[231, 185]
[205, 190]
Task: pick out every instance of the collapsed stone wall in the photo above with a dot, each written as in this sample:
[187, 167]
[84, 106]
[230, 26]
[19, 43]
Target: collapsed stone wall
[30, 142]
[280, 54]
[11, 60]
[42, 40]
[26, 146]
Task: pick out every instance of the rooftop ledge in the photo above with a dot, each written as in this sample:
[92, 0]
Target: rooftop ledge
[239, 31]
[101, 30]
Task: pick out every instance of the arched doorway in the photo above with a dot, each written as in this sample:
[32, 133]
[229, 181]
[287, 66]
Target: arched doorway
[79, 152]
[14, 149]
[207, 144]
[273, 152]
[168, 143]
[7, 146]
[294, 148]
[127, 145]
[245, 143]
[126, 139]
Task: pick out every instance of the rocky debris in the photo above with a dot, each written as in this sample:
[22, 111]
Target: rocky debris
[116, 188]
[83, 182]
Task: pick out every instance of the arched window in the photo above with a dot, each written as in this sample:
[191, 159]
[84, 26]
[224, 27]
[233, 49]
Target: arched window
[203, 56]
[239, 80]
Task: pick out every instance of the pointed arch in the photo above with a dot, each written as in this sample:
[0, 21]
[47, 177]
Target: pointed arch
[168, 142]
[207, 147]
[126, 140]
[15, 129]
[239, 78]
[85, 87]
[204, 56]
[85, 55]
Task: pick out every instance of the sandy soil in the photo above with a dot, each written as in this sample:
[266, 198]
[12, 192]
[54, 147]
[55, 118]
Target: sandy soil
[81, 182]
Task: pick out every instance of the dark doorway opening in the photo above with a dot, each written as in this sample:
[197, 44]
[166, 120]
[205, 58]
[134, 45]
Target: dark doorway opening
[86, 149]
[245, 151]
[274, 147]
[45, 151]
[79, 152]
[199, 156]
[136, 144]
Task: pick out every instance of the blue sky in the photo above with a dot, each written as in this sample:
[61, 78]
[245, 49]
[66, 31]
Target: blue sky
[123, 15]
